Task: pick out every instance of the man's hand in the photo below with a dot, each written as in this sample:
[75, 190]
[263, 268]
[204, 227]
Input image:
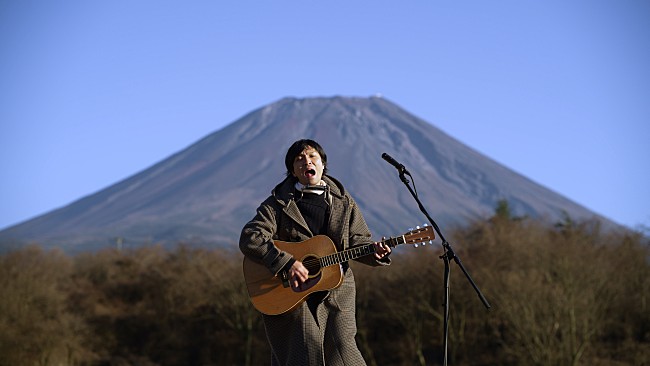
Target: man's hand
[381, 249]
[298, 274]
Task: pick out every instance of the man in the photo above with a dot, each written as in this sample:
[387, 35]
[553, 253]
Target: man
[308, 202]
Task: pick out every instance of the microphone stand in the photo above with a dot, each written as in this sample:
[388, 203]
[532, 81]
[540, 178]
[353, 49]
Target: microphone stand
[447, 256]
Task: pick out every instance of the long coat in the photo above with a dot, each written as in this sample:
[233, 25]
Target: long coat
[318, 332]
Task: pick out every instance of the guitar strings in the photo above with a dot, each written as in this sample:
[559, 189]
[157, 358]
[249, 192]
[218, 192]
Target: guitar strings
[315, 263]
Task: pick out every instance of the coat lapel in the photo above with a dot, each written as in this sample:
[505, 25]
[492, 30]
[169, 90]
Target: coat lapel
[292, 211]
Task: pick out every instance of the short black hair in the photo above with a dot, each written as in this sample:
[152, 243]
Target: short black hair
[298, 147]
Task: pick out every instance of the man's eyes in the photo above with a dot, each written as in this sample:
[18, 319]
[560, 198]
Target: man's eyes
[302, 157]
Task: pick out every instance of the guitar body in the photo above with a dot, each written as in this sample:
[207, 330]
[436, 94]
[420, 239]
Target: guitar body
[268, 293]
[271, 296]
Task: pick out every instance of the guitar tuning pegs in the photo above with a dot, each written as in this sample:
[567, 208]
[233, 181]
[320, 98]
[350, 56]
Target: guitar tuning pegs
[416, 245]
[410, 229]
[417, 227]
[425, 225]
[430, 241]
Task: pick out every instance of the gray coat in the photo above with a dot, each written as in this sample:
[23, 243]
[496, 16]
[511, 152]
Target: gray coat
[318, 332]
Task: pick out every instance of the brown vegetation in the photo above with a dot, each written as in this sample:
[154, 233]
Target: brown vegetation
[563, 295]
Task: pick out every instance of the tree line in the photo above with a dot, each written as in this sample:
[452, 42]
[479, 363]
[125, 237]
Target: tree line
[563, 294]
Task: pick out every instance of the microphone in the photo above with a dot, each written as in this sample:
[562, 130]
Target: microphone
[393, 162]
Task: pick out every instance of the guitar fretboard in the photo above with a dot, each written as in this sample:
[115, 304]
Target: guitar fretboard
[356, 252]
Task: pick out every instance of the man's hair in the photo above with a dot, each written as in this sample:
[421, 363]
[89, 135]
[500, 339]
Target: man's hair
[298, 147]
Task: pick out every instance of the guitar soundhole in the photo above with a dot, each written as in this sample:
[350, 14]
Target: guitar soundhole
[313, 266]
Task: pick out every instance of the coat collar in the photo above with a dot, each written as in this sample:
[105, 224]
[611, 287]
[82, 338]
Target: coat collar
[284, 191]
[284, 195]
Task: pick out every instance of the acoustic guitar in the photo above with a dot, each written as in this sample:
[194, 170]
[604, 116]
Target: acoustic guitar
[272, 295]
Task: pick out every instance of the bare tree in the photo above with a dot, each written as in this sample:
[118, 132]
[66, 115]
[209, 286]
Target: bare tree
[35, 326]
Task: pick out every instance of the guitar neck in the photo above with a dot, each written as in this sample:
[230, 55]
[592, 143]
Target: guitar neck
[357, 252]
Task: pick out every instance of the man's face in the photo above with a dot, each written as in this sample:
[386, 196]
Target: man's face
[308, 166]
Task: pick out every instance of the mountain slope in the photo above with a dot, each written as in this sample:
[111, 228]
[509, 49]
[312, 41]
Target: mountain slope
[205, 193]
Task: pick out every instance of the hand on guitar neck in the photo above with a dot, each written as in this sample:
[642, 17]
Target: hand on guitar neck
[299, 274]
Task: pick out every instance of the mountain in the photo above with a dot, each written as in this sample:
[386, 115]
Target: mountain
[205, 193]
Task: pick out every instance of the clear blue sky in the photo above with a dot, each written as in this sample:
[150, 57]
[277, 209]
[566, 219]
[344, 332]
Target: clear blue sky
[92, 92]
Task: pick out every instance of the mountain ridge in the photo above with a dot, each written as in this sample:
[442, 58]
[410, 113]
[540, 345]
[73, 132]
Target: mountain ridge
[204, 194]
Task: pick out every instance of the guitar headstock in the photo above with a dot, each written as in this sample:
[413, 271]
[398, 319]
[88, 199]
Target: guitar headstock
[419, 235]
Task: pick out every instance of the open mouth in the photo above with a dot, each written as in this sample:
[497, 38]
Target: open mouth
[310, 172]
